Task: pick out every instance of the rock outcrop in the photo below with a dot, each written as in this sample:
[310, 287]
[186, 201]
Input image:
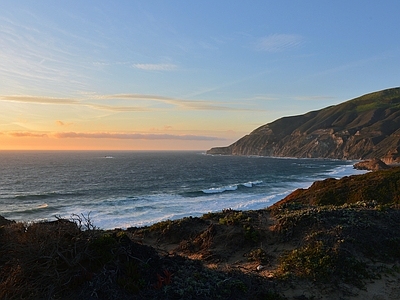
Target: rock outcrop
[4, 221]
[380, 187]
[374, 164]
[363, 128]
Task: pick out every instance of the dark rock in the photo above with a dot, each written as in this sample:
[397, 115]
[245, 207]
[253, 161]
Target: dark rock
[4, 221]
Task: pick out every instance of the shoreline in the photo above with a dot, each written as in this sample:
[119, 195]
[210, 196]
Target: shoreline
[256, 201]
[252, 202]
[276, 198]
[293, 250]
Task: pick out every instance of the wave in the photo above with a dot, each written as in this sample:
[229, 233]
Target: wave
[31, 197]
[232, 187]
[32, 209]
[220, 189]
[345, 170]
[42, 196]
[252, 183]
[170, 207]
[129, 196]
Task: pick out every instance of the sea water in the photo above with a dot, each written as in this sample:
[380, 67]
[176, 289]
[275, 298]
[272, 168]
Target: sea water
[124, 189]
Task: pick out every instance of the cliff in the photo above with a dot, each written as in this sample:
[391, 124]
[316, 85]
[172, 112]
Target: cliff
[379, 187]
[361, 128]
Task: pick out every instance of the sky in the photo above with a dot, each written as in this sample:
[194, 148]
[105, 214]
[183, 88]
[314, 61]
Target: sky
[182, 75]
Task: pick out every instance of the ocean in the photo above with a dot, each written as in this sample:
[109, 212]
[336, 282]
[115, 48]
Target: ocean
[122, 189]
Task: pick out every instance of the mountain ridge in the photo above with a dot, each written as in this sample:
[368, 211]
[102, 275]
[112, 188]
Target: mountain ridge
[364, 127]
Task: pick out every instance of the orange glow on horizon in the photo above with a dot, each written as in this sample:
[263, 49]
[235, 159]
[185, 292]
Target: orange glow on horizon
[45, 143]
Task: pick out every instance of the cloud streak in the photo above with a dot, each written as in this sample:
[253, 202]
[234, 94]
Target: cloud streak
[61, 123]
[126, 136]
[112, 135]
[313, 98]
[39, 100]
[278, 42]
[182, 104]
[155, 67]
[70, 101]
[28, 134]
[37, 57]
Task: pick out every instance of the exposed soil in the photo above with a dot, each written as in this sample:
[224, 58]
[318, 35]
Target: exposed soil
[228, 247]
[296, 249]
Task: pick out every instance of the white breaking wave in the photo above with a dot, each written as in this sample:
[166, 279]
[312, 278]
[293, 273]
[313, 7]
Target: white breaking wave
[232, 187]
[220, 189]
[140, 188]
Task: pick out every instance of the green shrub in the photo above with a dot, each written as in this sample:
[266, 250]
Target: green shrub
[318, 262]
[101, 249]
[234, 218]
[312, 261]
[131, 278]
[251, 234]
[258, 255]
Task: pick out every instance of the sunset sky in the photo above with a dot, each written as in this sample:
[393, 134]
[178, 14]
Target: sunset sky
[182, 75]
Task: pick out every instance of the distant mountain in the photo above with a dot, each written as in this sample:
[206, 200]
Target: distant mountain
[361, 128]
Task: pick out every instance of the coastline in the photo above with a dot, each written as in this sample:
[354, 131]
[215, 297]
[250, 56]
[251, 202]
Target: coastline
[262, 202]
[291, 250]
[124, 191]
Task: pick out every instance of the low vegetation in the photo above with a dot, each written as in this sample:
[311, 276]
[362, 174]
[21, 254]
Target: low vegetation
[337, 248]
[380, 187]
[338, 243]
[70, 259]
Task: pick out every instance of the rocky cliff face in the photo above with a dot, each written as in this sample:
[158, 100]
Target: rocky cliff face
[362, 128]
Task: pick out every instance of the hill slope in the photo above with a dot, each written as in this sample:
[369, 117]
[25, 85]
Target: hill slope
[339, 239]
[365, 127]
[380, 187]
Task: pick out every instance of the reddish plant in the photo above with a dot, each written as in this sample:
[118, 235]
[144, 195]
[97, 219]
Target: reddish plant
[163, 280]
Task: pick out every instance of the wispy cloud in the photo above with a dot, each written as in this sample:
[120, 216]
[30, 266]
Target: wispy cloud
[182, 104]
[356, 64]
[263, 98]
[70, 101]
[135, 136]
[36, 57]
[39, 99]
[117, 108]
[279, 42]
[112, 135]
[313, 98]
[227, 84]
[28, 134]
[155, 67]
[61, 123]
